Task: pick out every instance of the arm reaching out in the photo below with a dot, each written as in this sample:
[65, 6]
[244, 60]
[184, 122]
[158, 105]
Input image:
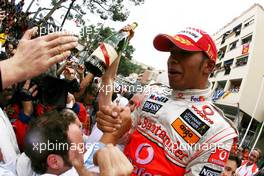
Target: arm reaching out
[35, 56]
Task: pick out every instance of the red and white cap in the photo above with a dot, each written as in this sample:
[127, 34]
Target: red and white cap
[189, 39]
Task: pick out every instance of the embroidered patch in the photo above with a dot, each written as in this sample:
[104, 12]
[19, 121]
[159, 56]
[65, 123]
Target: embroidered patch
[194, 121]
[151, 107]
[206, 171]
[219, 157]
[186, 133]
[158, 98]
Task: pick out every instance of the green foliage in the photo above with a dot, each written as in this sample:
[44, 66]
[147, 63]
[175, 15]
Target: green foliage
[126, 67]
[110, 9]
[114, 10]
[106, 9]
[54, 2]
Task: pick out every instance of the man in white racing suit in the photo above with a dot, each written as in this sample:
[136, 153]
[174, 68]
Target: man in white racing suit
[178, 131]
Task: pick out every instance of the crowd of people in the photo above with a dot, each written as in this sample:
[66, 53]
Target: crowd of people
[56, 118]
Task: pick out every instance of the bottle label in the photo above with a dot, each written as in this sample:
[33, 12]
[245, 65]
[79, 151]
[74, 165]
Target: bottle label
[105, 53]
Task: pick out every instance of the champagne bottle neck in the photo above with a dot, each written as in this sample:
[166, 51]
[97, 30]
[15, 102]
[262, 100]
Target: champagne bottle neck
[115, 39]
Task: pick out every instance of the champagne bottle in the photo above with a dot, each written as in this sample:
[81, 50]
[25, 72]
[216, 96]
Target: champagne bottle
[107, 52]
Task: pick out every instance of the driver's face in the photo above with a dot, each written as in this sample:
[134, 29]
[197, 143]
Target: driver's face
[184, 69]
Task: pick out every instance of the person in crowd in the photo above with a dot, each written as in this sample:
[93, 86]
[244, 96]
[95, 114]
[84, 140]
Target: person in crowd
[63, 149]
[10, 48]
[89, 99]
[231, 166]
[69, 73]
[170, 121]
[245, 153]
[81, 112]
[32, 57]
[20, 112]
[249, 167]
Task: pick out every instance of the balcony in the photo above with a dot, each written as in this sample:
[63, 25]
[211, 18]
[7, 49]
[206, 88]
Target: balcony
[238, 51]
[235, 85]
[230, 95]
[228, 98]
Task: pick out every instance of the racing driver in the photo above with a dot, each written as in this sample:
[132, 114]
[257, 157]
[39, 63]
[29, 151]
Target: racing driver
[178, 131]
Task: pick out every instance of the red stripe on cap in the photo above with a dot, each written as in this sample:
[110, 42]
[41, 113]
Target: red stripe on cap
[105, 53]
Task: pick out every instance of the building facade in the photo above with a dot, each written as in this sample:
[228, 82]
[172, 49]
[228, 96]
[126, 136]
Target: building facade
[239, 74]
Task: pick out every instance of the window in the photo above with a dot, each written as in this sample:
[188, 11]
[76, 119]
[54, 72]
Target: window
[221, 52]
[247, 39]
[218, 66]
[237, 29]
[235, 85]
[221, 85]
[227, 66]
[242, 61]
[225, 36]
[217, 69]
[219, 91]
[233, 45]
[223, 40]
[249, 23]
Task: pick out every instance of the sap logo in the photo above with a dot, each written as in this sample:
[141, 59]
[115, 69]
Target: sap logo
[158, 98]
[207, 171]
[197, 99]
[151, 107]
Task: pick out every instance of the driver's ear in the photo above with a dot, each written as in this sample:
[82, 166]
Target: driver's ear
[208, 66]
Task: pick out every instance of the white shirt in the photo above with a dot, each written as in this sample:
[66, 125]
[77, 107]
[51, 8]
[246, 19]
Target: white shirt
[17, 164]
[245, 170]
[14, 162]
[95, 135]
[8, 142]
[4, 172]
[70, 172]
